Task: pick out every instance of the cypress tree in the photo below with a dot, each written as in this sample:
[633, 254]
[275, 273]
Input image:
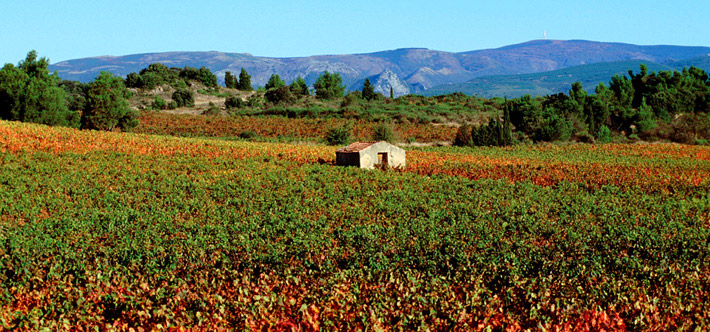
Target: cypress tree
[368, 92]
[244, 81]
[229, 80]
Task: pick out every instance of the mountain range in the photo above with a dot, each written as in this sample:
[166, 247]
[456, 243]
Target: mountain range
[424, 71]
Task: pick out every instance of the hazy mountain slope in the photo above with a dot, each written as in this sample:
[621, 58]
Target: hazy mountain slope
[561, 80]
[420, 68]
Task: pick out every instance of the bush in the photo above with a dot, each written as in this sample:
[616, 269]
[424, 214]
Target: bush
[603, 135]
[234, 102]
[281, 94]
[339, 135]
[351, 98]
[382, 132]
[184, 98]
[463, 136]
[128, 121]
[248, 134]
[159, 103]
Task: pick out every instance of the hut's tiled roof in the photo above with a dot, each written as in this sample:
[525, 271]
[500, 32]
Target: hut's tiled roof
[355, 147]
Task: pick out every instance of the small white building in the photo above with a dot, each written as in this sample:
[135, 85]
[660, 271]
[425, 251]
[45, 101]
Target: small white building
[368, 154]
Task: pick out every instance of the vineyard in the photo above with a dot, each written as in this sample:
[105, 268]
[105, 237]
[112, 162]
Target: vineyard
[274, 127]
[117, 231]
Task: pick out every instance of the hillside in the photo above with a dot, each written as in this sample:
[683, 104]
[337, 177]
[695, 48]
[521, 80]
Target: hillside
[419, 68]
[546, 83]
[556, 81]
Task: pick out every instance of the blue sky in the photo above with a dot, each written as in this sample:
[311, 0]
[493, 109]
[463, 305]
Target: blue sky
[69, 29]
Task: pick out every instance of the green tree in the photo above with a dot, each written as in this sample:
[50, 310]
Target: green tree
[299, 87]
[30, 93]
[107, 106]
[229, 80]
[184, 98]
[274, 82]
[329, 86]
[244, 81]
[368, 91]
[207, 77]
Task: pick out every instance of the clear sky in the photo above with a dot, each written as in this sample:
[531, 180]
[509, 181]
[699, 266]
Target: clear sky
[69, 29]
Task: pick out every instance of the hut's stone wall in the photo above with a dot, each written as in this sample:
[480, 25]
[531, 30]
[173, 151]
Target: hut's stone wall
[396, 157]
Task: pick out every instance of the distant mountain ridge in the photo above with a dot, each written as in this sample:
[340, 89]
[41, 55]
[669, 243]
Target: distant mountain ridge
[410, 70]
[556, 81]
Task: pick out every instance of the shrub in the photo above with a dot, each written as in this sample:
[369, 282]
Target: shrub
[603, 135]
[382, 132]
[159, 103]
[248, 134]
[281, 94]
[234, 102]
[184, 98]
[339, 135]
[351, 98]
[128, 121]
[463, 136]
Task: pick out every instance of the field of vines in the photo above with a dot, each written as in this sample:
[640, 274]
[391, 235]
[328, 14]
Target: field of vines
[276, 127]
[113, 231]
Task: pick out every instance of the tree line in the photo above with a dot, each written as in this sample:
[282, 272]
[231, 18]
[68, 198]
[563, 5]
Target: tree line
[29, 93]
[673, 105]
[669, 105]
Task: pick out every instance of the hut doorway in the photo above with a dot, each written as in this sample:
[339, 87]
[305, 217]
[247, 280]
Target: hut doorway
[382, 158]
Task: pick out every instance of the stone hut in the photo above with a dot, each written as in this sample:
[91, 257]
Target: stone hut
[368, 154]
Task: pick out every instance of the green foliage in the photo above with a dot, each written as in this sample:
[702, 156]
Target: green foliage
[230, 81]
[106, 106]
[158, 74]
[368, 91]
[329, 86]
[603, 135]
[184, 98]
[244, 83]
[339, 135]
[299, 87]
[382, 132]
[202, 75]
[234, 102]
[29, 93]
[553, 127]
[274, 82]
[212, 110]
[75, 94]
[281, 94]
[159, 103]
[248, 135]
[129, 120]
[213, 91]
[463, 136]
[490, 134]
